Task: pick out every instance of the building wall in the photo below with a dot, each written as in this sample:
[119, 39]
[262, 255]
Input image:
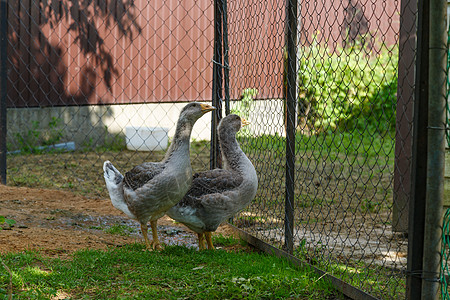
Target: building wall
[91, 126]
[103, 52]
[64, 53]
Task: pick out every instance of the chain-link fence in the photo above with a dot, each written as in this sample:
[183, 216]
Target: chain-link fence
[344, 165]
[99, 77]
[328, 88]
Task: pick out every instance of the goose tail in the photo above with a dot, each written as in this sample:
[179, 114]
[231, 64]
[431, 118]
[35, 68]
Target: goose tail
[113, 178]
[114, 184]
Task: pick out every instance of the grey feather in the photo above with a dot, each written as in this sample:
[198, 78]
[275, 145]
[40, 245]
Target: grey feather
[148, 190]
[218, 194]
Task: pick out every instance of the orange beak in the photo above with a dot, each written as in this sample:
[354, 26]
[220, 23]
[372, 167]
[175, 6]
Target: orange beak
[206, 108]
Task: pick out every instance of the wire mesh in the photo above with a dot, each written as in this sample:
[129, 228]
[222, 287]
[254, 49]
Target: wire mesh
[83, 74]
[80, 74]
[347, 66]
[445, 255]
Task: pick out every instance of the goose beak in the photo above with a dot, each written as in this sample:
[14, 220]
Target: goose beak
[206, 108]
[244, 122]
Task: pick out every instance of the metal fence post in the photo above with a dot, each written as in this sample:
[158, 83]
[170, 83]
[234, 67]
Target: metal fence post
[217, 84]
[436, 149]
[419, 157]
[226, 70]
[3, 86]
[291, 76]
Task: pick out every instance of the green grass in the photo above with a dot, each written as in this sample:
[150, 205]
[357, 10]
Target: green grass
[220, 240]
[174, 273]
[327, 145]
[384, 282]
[338, 174]
[122, 230]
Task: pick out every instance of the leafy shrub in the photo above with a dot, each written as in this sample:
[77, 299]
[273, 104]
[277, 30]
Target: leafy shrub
[244, 105]
[32, 140]
[348, 88]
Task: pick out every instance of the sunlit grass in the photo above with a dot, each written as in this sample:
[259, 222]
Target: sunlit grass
[176, 272]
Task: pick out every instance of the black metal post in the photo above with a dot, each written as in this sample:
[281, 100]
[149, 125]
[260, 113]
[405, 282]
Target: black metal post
[226, 78]
[291, 76]
[437, 78]
[3, 85]
[416, 222]
[217, 85]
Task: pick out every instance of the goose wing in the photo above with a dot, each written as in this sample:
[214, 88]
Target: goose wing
[142, 174]
[206, 183]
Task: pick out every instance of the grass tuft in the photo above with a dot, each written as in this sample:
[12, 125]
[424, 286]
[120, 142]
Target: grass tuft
[227, 241]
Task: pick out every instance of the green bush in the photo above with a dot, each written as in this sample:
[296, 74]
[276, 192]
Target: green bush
[349, 88]
[243, 106]
[245, 103]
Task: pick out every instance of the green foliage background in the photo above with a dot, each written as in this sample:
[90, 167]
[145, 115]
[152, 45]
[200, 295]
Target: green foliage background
[349, 88]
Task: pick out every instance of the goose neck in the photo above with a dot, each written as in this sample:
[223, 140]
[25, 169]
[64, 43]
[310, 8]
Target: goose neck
[181, 139]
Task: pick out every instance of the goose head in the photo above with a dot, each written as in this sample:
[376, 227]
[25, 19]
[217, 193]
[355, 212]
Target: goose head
[231, 124]
[194, 110]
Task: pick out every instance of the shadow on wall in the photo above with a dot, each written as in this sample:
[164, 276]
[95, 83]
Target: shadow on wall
[47, 39]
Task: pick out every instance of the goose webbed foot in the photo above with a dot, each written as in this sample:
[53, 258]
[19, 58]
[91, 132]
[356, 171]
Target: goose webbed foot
[155, 244]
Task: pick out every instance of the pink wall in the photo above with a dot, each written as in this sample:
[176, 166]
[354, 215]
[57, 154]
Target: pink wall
[110, 52]
[149, 51]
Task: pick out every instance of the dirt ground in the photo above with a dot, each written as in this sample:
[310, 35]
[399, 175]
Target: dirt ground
[59, 222]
